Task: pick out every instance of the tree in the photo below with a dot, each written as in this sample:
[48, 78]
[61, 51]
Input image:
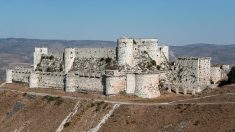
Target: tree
[231, 75]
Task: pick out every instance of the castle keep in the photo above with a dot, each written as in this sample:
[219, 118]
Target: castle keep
[138, 67]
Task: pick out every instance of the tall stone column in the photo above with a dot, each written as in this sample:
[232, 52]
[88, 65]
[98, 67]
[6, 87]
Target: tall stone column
[33, 80]
[9, 75]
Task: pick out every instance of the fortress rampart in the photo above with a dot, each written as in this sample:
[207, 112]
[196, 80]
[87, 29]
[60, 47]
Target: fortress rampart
[137, 67]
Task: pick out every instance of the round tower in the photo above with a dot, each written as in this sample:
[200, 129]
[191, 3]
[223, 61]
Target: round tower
[125, 53]
[38, 54]
[69, 56]
[33, 80]
[9, 75]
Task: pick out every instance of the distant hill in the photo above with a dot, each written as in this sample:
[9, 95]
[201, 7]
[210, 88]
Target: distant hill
[20, 50]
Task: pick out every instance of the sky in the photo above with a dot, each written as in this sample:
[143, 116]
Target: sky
[173, 22]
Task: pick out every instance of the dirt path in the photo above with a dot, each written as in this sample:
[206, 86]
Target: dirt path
[133, 103]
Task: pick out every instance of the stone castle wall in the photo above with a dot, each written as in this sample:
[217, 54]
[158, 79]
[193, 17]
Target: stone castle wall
[19, 74]
[215, 74]
[84, 83]
[204, 70]
[71, 53]
[95, 52]
[9, 75]
[219, 72]
[147, 85]
[38, 54]
[195, 70]
[51, 80]
[76, 82]
[131, 70]
[131, 50]
[188, 69]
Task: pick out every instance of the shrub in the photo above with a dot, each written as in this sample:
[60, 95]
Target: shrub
[153, 62]
[51, 57]
[66, 124]
[108, 60]
[98, 106]
[101, 59]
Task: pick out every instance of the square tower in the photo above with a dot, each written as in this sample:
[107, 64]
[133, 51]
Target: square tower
[38, 54]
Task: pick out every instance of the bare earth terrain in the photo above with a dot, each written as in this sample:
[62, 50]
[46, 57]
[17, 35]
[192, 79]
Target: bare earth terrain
[24, 109]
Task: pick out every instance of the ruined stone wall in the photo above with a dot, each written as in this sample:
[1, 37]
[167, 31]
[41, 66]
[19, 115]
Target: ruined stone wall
[149, 46]
[37, 55]
[164, 54]
[193, 70]
[187, 70]
[204, 70]
[215, 74]
[131, 51]
[50, 63]
[219, 72]
[86, 53]
[147, 85]
[21, 74]
[51, 80]
[226, 68]
[95, 52]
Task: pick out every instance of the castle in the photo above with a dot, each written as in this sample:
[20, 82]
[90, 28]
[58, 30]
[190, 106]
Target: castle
[138, 67]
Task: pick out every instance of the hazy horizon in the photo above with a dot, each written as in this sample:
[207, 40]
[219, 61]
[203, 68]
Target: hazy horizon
[172, 22]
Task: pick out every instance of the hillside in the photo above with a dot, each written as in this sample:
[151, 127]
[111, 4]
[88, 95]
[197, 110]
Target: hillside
[24, 109]
[221, 54]
[20, 50]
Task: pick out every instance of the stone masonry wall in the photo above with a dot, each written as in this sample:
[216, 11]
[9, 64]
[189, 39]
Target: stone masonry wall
[215, 74]
[187, 68]
[115, 82]
[88, 84]
[51, 80]
[95, 52]
[37, 55]
[21, 75]
[204, 71]
[147, 85]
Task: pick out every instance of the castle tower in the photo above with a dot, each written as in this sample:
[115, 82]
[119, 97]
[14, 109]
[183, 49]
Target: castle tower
[150, 46]
[9, 76]
[125, 52]
[70, 83]
[33, 80]
[69, 56]
[38, 54]
[164, 54]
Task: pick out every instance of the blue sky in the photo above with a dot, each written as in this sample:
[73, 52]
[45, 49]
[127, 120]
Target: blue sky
[174, 22]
